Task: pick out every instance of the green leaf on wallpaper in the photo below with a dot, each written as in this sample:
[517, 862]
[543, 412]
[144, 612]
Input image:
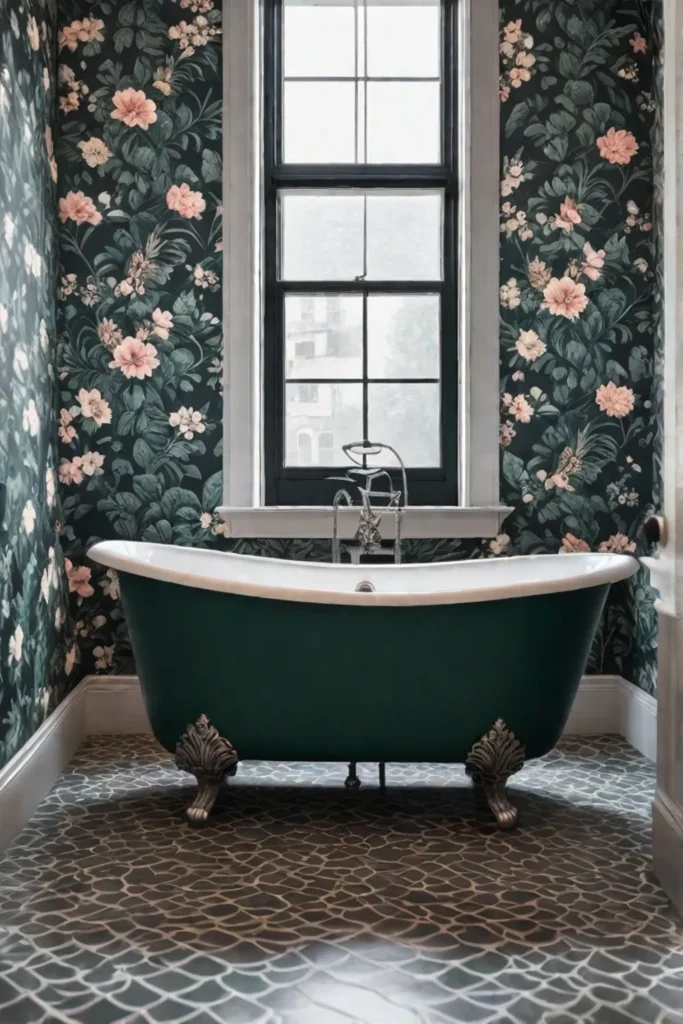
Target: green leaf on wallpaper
[575, 352]
[212, 166]
[143, 454]
[121, 467]
[639, 363]
[514, 470]
[519, 115]
[147, 487]
[585, 135]
[140, 156]
[182, 360]
[611, 302]
[160, 532]
[141, 72]
[616, 250]
[615, 371]
[569, 65]
[543, 19]
[185, 304]
[127, 13]
[576, 30]
[581, 93]
[183, 173]
[125, 423]
[212, 492]
[598, 115]
[557, 148]
[177, 498]
[123, 39]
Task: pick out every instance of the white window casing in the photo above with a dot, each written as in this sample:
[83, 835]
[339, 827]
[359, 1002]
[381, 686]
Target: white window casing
[478, 512]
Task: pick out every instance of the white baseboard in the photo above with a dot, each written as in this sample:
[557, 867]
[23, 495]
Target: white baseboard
[30, 775]
[114, 706]
[638, 723]
[596, 709]
[610, 704]
[102, 705]
[667, 845]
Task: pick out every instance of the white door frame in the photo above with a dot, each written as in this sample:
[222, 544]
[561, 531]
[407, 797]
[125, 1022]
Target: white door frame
[667, 568]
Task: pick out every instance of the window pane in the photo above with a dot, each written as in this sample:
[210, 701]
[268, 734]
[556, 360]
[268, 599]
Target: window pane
[318, 40]
[406, 416]
[324, 336]
[404, 122]
[403, 336]
[403, 42]
[319, 122]
[316, 429]
[404, 237]
[322, 237]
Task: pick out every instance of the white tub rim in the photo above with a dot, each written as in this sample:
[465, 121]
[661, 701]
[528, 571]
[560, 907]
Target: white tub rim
[540, 574]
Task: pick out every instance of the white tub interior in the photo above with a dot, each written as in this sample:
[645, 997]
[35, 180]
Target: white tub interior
[436, 583]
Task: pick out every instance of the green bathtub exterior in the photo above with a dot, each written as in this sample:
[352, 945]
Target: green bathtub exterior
[302, 681]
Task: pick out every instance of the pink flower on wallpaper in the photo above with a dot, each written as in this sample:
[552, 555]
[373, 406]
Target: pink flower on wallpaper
[133, 108]
[613, 400]
[530, 346]
[80, 208]
[518, 407]
[163, 323]
[94, 152]
[66, 431]
[70, 472]
[638, 42]
[618, 544]
[79, 579]
[92, 463]
[134, 358]
[68, 36]
[518, 76]
[94, 407]
[618, 147]
[86, 31]
[569, 215]
[184, 201]
[594, 261]
[91, 30]
[572, 544]
[564, 297]
[513, 31]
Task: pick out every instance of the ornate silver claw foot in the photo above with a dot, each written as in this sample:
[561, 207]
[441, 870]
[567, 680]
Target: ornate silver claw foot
[203, 752]
[352, 781]
[490, 763]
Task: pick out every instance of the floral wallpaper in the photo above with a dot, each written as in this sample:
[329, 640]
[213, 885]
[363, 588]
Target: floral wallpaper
[580, 293]
[36, 659]
[139, 155]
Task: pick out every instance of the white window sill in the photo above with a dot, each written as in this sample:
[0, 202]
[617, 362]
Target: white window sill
[315, 522]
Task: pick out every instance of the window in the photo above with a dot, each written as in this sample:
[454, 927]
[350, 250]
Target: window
[361, 257]
[360, 209]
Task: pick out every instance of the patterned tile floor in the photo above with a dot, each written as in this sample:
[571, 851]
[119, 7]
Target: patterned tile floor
[303, 903]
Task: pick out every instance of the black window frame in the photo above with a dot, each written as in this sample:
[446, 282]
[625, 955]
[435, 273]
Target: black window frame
[291, 485]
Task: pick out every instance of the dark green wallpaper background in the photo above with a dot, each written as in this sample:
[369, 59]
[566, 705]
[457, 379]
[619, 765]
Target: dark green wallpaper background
[139, 156]
[36, 658]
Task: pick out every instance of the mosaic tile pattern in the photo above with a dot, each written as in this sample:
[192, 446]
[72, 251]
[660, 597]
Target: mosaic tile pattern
[302, 903]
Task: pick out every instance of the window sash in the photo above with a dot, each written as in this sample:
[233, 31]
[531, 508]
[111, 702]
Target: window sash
[288, 485]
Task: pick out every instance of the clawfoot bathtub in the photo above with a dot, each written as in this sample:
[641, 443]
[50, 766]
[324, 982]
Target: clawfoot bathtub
[244, 657]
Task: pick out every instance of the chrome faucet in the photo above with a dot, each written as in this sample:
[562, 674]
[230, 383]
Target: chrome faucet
[368, 537]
